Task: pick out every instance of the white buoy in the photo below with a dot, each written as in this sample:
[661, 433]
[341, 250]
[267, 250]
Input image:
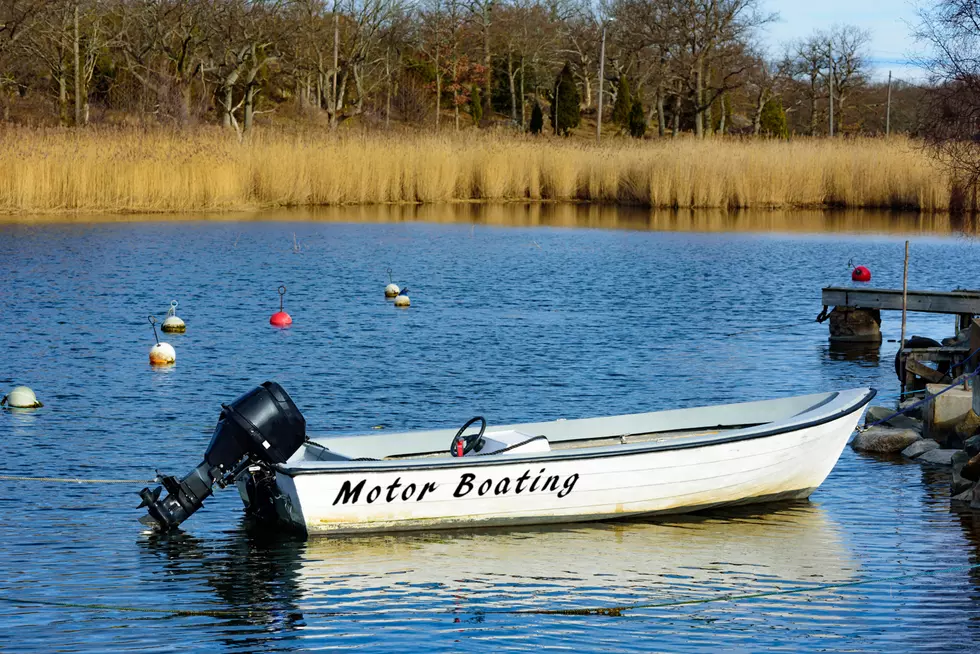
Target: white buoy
[391, 290]
[402, 299]
[161, 354]
[21, 397]
[172, 324]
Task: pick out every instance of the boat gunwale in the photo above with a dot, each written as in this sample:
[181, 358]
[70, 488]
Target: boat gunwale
[399, 465]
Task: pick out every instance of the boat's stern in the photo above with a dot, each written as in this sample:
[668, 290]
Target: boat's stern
[270, 497]
[257, 431]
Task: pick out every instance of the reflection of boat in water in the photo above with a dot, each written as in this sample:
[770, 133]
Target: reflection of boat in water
[740, 550]
[291, 585]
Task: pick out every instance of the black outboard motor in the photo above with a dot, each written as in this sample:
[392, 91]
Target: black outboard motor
[261, 427]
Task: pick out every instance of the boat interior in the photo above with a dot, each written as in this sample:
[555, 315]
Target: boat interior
[541, 439]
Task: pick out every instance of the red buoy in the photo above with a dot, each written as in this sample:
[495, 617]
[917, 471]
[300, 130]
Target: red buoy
[281, 318]
[861, 274]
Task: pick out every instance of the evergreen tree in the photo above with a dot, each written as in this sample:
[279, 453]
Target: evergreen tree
[772, 122]
[565, 112]
[637, 120]
[537, 119]
[624, 103]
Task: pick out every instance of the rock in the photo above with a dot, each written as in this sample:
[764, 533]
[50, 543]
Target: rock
[965, 496]
[959, 484]
[938, 457]
[905, 422]
[850, 325]
[876, 413]
[959, 459]
[972, 445]
[969, 426]
[885, 440]
[971, 469]
[900, 421]
[919, 448]
[962, 338]
[975, 502]
[946, 411]
[913, 413]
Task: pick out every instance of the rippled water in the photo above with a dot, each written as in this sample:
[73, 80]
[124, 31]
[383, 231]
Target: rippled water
[517, 314]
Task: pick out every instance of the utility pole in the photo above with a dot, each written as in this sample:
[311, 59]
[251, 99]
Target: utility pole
[78, 76]
[830, 55]
[602, 74]
[888, 107]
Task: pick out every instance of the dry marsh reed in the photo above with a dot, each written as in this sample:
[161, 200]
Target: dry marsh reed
[210, 170]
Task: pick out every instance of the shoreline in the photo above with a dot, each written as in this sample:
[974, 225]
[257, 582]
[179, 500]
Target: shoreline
[552, 215]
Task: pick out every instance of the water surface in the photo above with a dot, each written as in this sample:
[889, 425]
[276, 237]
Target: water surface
[518, 314]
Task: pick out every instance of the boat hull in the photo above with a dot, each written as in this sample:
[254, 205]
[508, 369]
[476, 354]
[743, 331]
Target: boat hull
[781, 466]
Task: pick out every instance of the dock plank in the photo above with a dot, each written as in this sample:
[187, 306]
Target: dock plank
[887, 299]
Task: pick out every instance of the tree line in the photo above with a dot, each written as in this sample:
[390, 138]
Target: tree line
[670, 66]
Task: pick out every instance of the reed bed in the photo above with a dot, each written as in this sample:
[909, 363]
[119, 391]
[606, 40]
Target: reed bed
[139, 171]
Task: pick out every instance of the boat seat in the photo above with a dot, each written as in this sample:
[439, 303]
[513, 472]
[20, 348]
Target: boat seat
[512, 442]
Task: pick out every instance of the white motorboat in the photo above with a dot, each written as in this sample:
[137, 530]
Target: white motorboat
[624, 466]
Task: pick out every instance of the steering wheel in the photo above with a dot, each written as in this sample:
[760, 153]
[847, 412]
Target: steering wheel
[463, 445]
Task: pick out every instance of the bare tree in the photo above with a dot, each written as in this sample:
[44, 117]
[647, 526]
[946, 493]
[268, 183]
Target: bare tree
[951, 31]
[763, 82]
[808, 64]
[17, 17]
[482, 16]
[693, 62]
[848, 61]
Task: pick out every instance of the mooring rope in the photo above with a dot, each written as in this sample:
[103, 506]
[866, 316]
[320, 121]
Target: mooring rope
[614, 611]
[925, 400]
[74, 480]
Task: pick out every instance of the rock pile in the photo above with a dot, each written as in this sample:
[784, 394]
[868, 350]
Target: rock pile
[904, 434]
[966, 472]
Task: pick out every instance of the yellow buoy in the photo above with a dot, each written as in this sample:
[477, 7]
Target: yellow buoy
[172, 324]
[21, 397]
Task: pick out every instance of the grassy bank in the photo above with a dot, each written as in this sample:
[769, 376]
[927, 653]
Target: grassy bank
[161, 171]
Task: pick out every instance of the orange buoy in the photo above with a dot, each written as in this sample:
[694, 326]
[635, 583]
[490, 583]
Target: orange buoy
[281, 318]
[861, 274]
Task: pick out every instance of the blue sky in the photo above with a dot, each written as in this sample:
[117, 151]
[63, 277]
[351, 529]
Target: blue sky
[888, 21]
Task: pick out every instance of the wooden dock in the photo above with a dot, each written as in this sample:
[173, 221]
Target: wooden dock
[857, 309]
[887, 299]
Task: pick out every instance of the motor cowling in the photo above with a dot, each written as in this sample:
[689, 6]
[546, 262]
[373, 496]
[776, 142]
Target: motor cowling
[262, 427]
